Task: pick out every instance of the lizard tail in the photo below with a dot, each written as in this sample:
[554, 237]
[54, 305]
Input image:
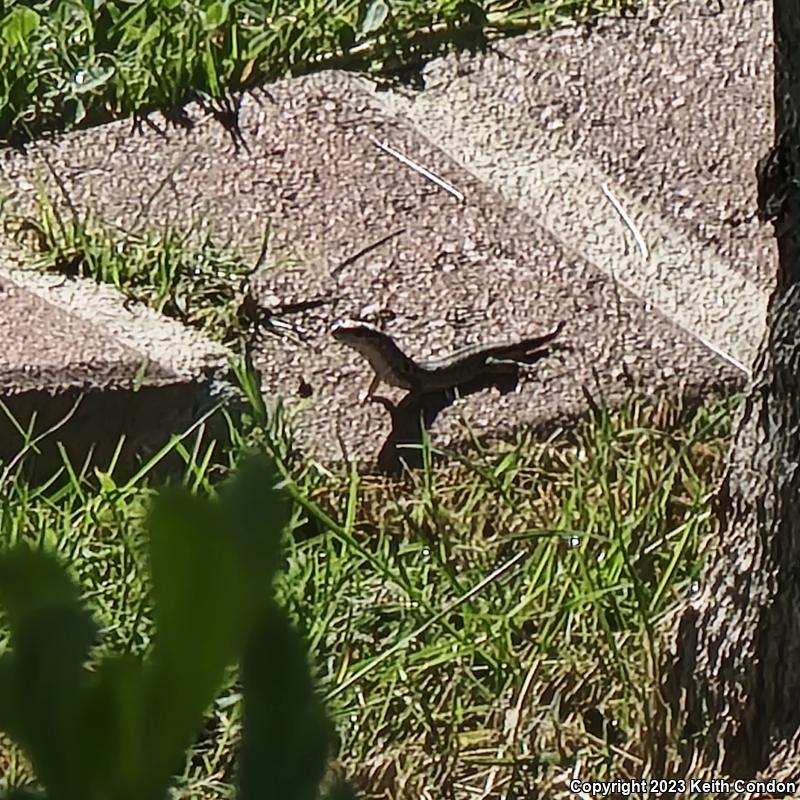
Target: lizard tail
[530, 350]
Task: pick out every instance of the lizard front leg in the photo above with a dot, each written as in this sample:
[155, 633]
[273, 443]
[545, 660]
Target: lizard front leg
[365, 395]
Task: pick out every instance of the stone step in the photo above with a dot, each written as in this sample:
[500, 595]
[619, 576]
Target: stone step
[79, 362]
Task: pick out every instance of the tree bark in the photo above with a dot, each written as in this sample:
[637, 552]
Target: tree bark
[733, 686]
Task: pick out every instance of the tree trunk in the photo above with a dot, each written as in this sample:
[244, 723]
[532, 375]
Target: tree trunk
[734, 682]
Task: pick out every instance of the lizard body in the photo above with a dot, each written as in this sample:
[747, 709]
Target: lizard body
[391, 365]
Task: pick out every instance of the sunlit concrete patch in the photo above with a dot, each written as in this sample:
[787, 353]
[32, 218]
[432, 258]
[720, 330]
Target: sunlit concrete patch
[156, 347]
[676, 275]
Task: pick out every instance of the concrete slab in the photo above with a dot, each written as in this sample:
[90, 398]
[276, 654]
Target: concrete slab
[77, 359]
[530, 140]
[652, 110]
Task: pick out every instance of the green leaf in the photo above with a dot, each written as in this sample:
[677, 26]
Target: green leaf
[122, 731]
[285, 732]
[375, 17]
[257, 510]
[43, 677]
[113, 731]
[215, 15]
[151, 34]
[210, 67]
[18, 25]
[198, 610]
[213, 565]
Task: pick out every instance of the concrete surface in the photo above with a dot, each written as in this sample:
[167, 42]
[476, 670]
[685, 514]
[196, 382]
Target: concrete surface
[607, 176]
[77, 359]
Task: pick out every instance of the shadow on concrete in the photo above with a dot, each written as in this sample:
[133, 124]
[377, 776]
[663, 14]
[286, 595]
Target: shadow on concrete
[417, 412]
[39, 429]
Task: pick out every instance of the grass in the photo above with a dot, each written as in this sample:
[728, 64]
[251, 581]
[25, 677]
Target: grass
[183, 276]
[67, 63]
[488, 623]
[590, 539]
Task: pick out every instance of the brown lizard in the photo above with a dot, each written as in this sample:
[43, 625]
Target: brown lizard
[391, 365]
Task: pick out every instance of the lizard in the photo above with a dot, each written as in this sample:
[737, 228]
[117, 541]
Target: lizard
[392, 366]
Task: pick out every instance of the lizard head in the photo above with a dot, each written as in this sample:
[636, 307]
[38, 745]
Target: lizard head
[356, 334]
[376, 346]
